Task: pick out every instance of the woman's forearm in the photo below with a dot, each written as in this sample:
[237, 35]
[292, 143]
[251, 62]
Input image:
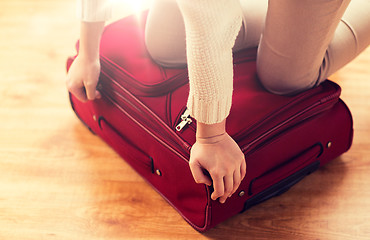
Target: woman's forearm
[90, 39]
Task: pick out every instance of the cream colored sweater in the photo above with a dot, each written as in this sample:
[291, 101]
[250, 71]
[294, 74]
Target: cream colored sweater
[211, 29]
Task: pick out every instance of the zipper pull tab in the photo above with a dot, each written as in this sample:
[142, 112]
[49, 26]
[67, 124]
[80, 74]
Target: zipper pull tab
[185, 120]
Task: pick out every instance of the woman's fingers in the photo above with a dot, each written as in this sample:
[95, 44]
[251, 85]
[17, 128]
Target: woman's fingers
[228, 187]
[90, 87]
[198, 174]
[218, 186]
[231, 183]
[76, 89]
[243, 169]
[237, 180]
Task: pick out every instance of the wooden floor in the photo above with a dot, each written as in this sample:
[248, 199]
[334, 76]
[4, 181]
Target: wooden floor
[58, 181]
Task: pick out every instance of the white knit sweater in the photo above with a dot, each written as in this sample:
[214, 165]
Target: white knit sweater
[211, 29]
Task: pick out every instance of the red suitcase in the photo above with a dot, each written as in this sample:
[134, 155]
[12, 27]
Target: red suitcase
[141, 115]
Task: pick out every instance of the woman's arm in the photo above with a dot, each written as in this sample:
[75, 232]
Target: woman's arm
[211, 28]
[84, 72]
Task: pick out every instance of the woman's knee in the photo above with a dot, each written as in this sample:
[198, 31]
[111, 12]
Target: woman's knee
[163, 54]
[165, 34]
[287, 82]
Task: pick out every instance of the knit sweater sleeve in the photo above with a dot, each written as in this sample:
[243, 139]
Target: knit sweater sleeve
[94, 10]
[211, 29]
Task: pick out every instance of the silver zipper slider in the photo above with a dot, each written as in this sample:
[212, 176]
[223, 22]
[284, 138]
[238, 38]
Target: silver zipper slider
[185, 120]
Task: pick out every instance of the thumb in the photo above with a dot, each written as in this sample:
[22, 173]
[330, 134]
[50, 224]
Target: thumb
[90, 88]
[97, 94]
[199, 174]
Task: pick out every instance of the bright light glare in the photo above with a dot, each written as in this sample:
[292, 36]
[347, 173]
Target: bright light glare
[134, 5]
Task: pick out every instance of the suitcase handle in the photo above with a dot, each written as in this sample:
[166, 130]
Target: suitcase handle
[292, 174]
[123, 146]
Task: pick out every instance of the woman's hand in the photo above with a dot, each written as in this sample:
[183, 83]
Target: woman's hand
[82, 78]
[222, 158]
[83, 75]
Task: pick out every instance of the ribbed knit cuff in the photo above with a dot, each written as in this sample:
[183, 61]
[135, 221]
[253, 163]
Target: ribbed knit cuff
[94, 10]
[209, 112]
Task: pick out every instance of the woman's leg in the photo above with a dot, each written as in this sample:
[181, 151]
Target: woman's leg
[165, 30]
[351, 37]
[294, 53]
[165, 34]
[254, 14]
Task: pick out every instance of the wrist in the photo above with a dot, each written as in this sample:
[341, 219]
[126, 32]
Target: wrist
[205, 131]
[88, 57]
[212, 139]
[90, 36]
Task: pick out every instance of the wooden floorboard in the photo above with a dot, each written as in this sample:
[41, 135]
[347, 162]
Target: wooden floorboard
[58, 181]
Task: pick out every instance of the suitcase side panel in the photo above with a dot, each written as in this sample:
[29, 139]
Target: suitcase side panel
[302, 146]
[268, 165]
[169, 175]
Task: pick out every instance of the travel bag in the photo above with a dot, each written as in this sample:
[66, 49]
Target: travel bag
[142, 115]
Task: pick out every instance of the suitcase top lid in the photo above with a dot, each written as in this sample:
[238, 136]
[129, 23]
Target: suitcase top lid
[126, 60]
[122, 44]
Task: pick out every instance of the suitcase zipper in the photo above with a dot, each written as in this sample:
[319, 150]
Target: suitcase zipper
[171, 83]
[327, 100]
[142, 89]
[185, 120]
[127, 97]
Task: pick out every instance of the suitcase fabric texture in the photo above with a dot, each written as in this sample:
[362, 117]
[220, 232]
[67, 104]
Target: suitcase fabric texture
[142, 116]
